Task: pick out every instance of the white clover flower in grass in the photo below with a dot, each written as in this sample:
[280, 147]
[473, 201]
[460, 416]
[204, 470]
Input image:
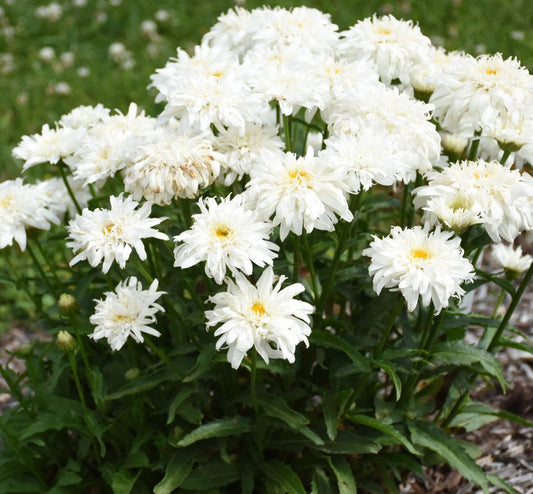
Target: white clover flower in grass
[511, 259]
[23, 206]
[225, 235]
[303, 193]
[50, 146]
[419, 264]
[109, 235]
[265, 317]
[128, 311]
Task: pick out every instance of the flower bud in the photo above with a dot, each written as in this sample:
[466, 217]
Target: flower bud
[65, 342]
[67, 304]
[131, 374]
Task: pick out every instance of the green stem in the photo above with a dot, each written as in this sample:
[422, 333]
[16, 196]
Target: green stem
[41, 271]
[77, 381]
[512, 306]
[311, 268]
[50, 265]
[296, 260]
[499, 301]
[287, 132]
[253, 379]
[15, 391]
[474, 146]
[505, 156]
[69, 188]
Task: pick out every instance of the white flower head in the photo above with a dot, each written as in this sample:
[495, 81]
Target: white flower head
[50, 146]
[109, 235]
[226, 236]
[303, 193]
[419, 264]
[128, 311]
[511, 259]
[262, 316]
[172, 164]
[23, 206]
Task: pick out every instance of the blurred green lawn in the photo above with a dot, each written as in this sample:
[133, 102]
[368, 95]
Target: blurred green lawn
[32, 90]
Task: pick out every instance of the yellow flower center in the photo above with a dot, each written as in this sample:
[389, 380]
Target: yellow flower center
[491, 71]
[111, 229]
[259, 309]
[122, 318]
[421, 254]
[383, 30]
[222, 232]
[300, 176]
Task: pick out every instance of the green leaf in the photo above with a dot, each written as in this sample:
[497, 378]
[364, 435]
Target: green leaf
[203, 363]
[430, 436]
[228, 426]
[458, 353]
[247, 469]
[330, 414]
[388, 368]
[330, 340]
[211, 475]
[348, 443]
[320, 483]
[385, 428]
[342, 470]
[178, 468]
[177, 401]
[501, 484]
[283, 476]
[278, 408]
[123, 481]
[141, 384]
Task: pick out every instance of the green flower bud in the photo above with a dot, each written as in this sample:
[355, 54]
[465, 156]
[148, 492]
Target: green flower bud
[131, 374]
[65, 342]
[67, 304]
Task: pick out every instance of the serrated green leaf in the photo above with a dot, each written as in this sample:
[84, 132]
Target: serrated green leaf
[385, 428]
[320, 483]
[176, 402]
[430, 436]
[330, 414]
[123, 481]
[278, 408]
[228, 426]
[203, 363]
[142, 383]
[348, 443]
[283, 476]
[330, 340]
[459, 353]
[388, 368]
[177, 470]
[211, 475]
[342, 470]
[501, 484]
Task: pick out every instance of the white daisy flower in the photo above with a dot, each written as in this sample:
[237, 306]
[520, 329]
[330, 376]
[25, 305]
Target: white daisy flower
[301, 192]
[262, 316]
[50, 146]
[419, 264]
[128, 311]
[500, 198]
[109, 235]
[395, 46]
[84, 116]
[511, 259]
[225, 236]
[172, 164]
[23, 206]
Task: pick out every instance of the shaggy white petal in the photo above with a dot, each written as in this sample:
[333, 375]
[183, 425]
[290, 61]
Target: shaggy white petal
[263, 316]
